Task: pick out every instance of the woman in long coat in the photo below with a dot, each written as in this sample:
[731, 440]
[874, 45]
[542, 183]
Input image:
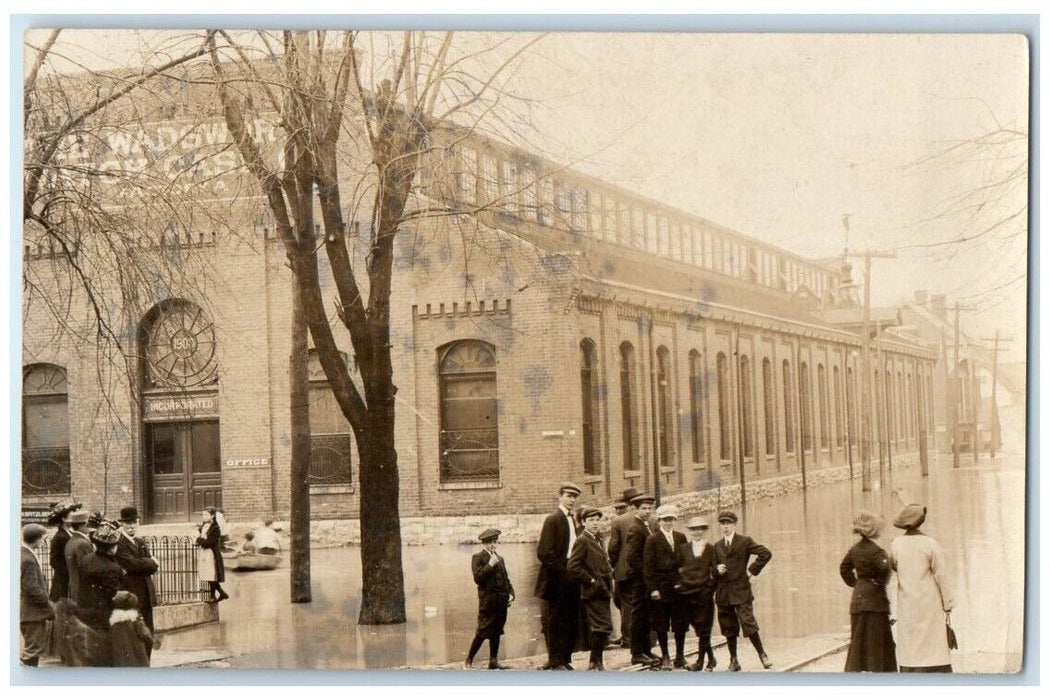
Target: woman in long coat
[210, 567]
[924, 596]
[866, 569]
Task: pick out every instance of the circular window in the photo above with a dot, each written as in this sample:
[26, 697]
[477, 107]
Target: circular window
[181, 346]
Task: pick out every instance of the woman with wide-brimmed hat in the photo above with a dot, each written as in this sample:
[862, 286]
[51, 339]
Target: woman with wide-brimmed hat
[866, 569]
[59, 592]
[924, 596]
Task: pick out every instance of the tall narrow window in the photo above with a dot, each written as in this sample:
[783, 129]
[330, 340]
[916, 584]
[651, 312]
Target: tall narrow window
[902, 408]
[629, 426]
[805, 398]
[331, 441]
[725, 446]
[840, 424]
[789, 409]
[469, 429]
[45, 431]
[822, 404]
[589, 397]
[696, 400]
[747, 423]
[664, 404]
[851, 405]
[891, 413]
[768, 407]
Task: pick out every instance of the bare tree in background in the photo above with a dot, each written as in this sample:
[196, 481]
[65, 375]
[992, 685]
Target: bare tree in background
[389, 112]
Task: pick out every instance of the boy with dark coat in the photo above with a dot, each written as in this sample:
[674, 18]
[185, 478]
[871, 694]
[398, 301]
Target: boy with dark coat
[589, 566]
[638, 531]
[615, 547]
[661, 577]
[34, 608]
[696, 591]
[553, 584]
[495, 595]
[129, 639]
[736, 612]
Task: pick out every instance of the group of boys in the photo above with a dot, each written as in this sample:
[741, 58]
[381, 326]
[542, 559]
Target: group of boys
[659, 579]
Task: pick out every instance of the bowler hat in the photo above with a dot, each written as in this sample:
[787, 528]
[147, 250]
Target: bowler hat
[105, 535]
[129, 514]
[727, 516]
[589, 512]
[697, 523]
[33, 532]
[912, 516]
[489, 535]
[642, 498]
[666, 511]
[78, 517]
[568, 486]
[630, 493]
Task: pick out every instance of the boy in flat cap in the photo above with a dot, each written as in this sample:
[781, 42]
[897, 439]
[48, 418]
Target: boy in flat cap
[696, 592]
[554, 585]
[495, 594]
[736, 613]
[661, 576]
[34, 608]
[617, 540]
[638, 531]
[589, 566]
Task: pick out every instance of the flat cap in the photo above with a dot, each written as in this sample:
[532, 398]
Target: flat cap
[33, 532]
[589, 512]
[642, 498]
[666, 511]
[697, 523]
[913, 515]
[570, 487]
[78, 516]
[727, 516]
[489, 534]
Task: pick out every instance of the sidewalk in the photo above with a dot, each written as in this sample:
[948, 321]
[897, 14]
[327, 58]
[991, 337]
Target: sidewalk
[166, 659]
[962, 662]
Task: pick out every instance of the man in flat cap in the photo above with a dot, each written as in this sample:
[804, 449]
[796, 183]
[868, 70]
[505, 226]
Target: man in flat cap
[34, 608]
[139, 565]
[495, 595]
[617, 540]
[638, 531]
[554, 585]
[589, 566]
[696, 592]
[661, 576]
[736, 613]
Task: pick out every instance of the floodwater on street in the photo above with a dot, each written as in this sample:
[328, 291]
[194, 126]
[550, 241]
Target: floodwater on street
[976, 512]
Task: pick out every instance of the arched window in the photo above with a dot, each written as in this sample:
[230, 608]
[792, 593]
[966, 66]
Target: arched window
[45, 431]
[746, 406]
[331, 440]
[768, 407]
[589, 398]
[789, 409]
[628, 418]
[725, 447]
[469, 428]
[807, 409]
[696, 399]
[664, 405]
[822, 404]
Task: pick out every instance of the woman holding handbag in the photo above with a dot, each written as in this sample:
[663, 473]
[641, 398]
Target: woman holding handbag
[924, 597]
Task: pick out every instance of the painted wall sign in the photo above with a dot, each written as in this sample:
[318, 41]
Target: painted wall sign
[248, 462]
[157, 408]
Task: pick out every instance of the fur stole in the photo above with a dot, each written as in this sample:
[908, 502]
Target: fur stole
[118, 616]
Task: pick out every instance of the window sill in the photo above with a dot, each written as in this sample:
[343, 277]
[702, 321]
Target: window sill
[324, 489]
[634, 474]
[469, 485]
[668, 470]
[593, 479]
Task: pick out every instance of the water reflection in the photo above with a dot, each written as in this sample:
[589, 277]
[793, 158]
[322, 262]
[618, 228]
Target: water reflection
[977, 514]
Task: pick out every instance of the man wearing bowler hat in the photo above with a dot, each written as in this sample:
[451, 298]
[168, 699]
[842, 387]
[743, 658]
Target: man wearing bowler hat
[495, 594]
[736, 613]
[696, 592]
[589, 566]
[617, 540]
[638, 531]
[554, 585]
[139, 566]
[661, 576]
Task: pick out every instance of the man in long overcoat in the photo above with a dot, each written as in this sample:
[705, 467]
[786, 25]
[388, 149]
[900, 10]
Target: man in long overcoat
[59, 593]
[553, 583]
[34, 608]
[589, 566]
[696, 591]
[495, 594]
[617, 541]
[638, 531]
[661, 577]
[77, 549]
[139, 566]
[736, 612]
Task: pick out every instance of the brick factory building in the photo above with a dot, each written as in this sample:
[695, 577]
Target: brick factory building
[574, 330]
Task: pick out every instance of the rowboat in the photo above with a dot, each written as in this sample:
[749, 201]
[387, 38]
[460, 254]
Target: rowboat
[252, 561]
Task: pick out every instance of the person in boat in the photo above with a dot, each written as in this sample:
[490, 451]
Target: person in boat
[266, 540]
[248, 546]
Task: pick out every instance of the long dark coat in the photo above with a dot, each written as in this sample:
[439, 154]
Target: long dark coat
[33, 605]
[59, 572]
[661, 565]
[77, 550]
[734, 588]
[696, 574]
[552, 550]
[100, 577]
[494, 592]
[634, 550]
[589, 566]
[211, 539]
[134, 557]
[866, 569]
[617, 543]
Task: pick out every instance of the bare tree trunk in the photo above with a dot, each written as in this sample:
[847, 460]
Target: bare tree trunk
[300, 433]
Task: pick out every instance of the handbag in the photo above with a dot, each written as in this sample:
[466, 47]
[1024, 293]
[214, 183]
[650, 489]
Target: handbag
[953, 641]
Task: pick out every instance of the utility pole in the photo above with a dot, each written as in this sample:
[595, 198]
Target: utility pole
[993, 411]
[866, 368]
[956, 384]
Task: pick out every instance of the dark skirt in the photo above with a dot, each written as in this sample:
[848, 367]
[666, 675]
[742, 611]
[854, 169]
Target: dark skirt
[947, 668]
[871, 646]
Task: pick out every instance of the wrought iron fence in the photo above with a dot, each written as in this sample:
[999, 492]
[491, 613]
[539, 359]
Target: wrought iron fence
[176, 578]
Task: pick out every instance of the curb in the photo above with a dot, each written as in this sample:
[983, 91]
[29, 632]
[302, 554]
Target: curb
[841, 646]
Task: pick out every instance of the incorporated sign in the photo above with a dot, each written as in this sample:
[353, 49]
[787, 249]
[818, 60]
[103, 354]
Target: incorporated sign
[158, 408]
[248, 462]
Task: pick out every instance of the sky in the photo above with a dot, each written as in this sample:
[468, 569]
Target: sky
[790, 139]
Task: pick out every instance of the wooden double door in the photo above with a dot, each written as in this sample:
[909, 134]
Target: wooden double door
[183, 468]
